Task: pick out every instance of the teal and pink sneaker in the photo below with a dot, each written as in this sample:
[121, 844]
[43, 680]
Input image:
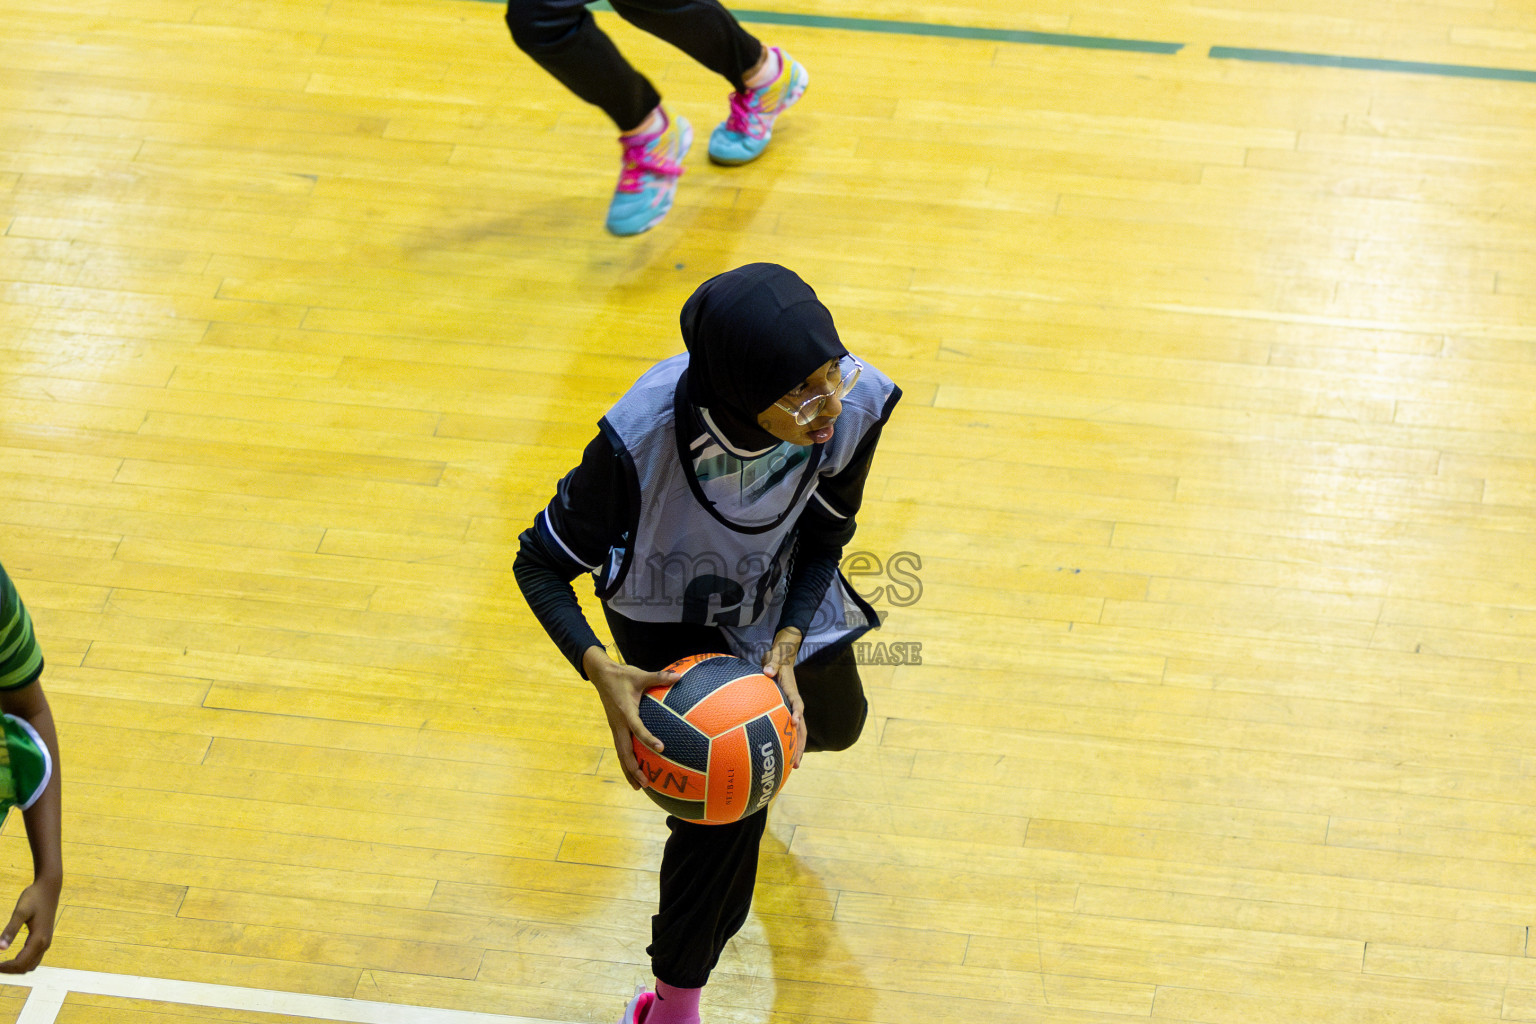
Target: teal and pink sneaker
[638, 1007]
[648, 182]
[742, 137]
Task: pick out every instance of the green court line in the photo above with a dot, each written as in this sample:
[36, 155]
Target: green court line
[1004, 35]
[923, 28]
[1370, 64]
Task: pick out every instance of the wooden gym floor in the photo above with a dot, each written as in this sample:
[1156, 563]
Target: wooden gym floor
[1210, 506]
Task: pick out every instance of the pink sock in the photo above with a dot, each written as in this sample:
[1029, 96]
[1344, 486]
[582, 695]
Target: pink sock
[674, 1005]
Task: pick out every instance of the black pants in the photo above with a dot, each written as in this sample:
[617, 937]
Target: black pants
[708, 871]
[564, 39]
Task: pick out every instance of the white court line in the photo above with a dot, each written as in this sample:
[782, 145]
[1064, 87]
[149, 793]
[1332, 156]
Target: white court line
[50, 985]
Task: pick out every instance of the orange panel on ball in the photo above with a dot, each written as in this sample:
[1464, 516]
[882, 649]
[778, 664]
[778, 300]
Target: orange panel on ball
[789, 737]
[730, 776]
[668, 777]
[734, 703]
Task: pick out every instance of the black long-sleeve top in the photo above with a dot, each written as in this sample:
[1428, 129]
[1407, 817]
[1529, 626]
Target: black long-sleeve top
[593, 508]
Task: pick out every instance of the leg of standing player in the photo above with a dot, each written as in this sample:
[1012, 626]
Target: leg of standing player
[708, 872]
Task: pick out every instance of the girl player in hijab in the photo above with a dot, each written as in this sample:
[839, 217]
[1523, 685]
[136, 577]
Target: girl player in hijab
[711, 510]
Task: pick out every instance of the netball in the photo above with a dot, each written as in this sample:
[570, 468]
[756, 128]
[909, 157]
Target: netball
[729, 740]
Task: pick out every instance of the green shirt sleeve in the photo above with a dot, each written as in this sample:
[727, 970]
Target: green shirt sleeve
[21, 660]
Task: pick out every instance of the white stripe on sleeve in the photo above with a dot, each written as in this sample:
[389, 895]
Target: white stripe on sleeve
[550, 529]
[828, 507]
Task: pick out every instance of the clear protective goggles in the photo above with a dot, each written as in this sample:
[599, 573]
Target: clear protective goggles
[844, 375]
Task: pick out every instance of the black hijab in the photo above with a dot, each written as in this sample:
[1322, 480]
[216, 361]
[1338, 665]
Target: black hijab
[753, 334]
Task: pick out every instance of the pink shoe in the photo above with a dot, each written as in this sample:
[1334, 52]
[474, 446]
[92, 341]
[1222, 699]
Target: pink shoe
[742, 137]
[638, 1007]
[648, 181]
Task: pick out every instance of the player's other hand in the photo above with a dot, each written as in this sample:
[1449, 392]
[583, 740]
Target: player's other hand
[620, 687]
[779, 664]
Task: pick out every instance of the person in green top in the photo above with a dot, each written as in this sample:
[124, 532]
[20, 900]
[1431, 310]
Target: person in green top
[29, 779]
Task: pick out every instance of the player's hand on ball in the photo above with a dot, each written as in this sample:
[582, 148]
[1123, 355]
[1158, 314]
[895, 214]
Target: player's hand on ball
[619, 687]
[779, 664]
